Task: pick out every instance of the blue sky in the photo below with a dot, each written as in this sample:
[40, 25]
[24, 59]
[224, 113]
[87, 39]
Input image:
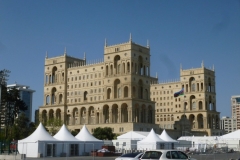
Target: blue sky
[183, 32]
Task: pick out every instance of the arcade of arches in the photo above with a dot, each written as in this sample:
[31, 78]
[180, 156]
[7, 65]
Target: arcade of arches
[199, 121]
[107, 114]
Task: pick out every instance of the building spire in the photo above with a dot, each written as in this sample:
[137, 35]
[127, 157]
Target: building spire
[46, 55]
[65, 51]
[148, 44]
[105, 42]
[156, 75]
[84, 58]
[202, 64]
[130, 38]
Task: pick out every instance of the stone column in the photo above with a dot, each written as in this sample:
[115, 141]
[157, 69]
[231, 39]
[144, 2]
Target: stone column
[140, 115]
[95, 117]
[71, 121]
[110, 115]
[100, 117]
[119, 115]
[146, 118]
[205, 123]
[79, 116]
[196, 122]
[133, 115]
[129, 115]
[63, 117]
[87, 115]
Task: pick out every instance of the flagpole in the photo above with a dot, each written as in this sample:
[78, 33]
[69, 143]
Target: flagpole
[184, 115]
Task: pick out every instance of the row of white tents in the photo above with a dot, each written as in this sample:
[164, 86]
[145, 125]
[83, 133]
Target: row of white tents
[41, 143]
[201, 143]
[137, 140]
[63, 143]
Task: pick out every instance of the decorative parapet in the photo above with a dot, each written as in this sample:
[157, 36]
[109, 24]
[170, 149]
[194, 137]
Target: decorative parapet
[86, 63]
[165, 82]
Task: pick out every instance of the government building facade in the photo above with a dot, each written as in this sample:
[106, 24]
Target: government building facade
[197, 104]
[118, 92]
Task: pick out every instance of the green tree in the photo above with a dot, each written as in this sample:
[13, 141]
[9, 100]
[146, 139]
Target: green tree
[20, 129]
[53, 125]
[74, 133]
[105, 133]
[11, 107]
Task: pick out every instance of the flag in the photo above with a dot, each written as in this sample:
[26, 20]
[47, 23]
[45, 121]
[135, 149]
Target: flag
[181, 92]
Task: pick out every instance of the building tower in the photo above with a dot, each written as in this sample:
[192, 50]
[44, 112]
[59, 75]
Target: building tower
[198, 104]
[112, 93]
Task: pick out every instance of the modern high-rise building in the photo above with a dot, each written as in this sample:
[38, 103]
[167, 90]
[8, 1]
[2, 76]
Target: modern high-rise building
[228, 124]
[26, 95]
[235, 106]
[118, 92]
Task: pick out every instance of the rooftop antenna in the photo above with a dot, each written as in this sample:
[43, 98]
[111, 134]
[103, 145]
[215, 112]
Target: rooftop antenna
[148, 44]
[105, 42]
[65, 51]
[46, 55]
[84, 58]
[130, 39]
[202, 64]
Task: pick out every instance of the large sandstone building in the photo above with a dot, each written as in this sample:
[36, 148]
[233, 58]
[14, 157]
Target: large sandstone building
[198, 104]
[119, 92]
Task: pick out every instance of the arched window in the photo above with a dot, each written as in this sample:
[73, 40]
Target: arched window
[117, 89]
[108, 93]
[47, 100]
[126, 91]
[85, 95]
[60, 98]
[54, 74]
[107, 70]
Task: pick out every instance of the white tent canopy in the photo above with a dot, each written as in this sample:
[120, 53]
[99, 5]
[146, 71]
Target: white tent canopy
[90, 142]
[164, 136]
[232, 135]
[34, 144]
[84, 135]
[40, 134]
[64, 135]
[133, 135]
[152, 141]
[152, 137]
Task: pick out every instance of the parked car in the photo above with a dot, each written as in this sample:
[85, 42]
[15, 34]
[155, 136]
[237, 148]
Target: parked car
[130, 156]
[165, 155]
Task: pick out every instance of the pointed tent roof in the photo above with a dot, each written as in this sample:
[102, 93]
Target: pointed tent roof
[40, 134]
[134, 135]
[164, 136]
[232, 135]
[84, 135]
[64, 135]
[152, 137]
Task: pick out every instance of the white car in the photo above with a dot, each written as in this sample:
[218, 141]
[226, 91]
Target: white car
[130, 156]
[165, 155]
